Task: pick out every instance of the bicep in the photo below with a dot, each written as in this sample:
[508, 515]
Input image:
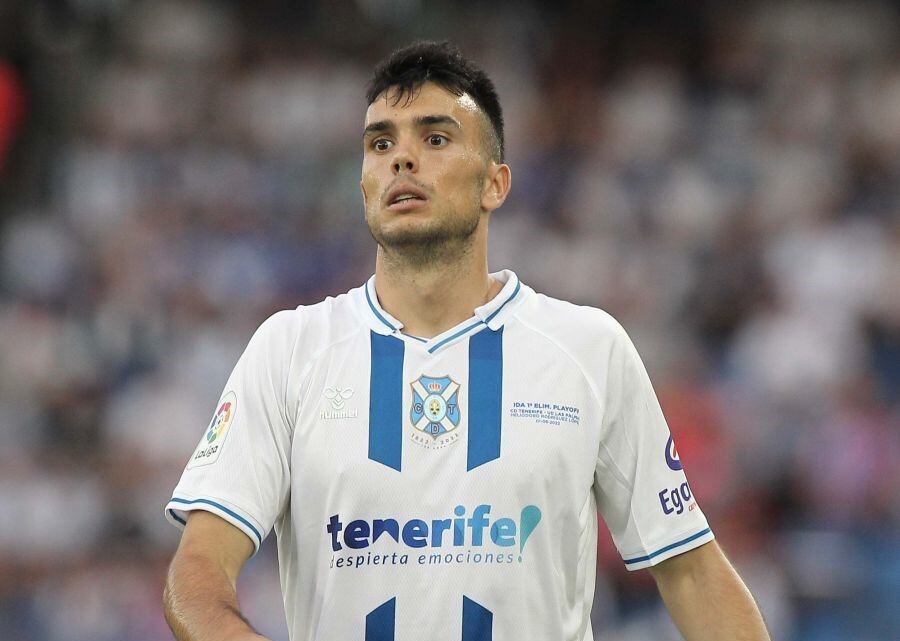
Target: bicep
[706, 598]
[705, 567]
[212, 538]
[701, 561]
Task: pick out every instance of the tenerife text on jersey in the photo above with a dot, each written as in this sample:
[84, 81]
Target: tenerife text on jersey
[475, 531]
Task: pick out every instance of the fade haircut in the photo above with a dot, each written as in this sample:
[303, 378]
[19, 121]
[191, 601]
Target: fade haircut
[408, 68]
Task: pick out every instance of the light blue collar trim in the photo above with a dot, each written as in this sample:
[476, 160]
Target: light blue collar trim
[472, 327]
[490, 311]
[390, 323]
[490, 315]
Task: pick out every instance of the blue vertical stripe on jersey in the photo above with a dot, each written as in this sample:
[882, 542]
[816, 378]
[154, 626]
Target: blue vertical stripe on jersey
[386, 400]
[380, 622]
[485, 396]
[477, 621]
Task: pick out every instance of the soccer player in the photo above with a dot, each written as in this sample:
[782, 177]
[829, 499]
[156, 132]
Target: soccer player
[433, 447]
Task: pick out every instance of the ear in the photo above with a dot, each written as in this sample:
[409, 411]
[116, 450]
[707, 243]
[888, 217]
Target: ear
[497, 184]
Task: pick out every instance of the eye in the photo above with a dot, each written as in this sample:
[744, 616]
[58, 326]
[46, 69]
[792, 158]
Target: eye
[437, 140]
[381, 144]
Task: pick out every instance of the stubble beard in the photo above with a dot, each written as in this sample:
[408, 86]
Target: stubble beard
[442, 241]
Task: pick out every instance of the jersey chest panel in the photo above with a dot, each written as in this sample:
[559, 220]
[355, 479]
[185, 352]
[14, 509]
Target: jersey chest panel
[548, 427]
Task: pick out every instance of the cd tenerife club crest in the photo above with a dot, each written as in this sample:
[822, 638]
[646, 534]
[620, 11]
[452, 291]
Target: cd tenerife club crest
[434, 411]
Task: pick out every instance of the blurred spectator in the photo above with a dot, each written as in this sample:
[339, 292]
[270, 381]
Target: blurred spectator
[12, 108]
[725, 181]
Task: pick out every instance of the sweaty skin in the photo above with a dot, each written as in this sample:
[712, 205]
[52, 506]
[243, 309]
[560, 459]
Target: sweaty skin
[431, 265]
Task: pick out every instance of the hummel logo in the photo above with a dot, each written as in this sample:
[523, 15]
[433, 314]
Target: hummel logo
[338, 398]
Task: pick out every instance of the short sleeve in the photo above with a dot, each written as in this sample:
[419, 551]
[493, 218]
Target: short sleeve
[641, 488]
[240, 470]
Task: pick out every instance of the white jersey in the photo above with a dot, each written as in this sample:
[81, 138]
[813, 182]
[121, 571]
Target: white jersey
[448, 488]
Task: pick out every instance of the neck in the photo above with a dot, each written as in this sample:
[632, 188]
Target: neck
[431, 297]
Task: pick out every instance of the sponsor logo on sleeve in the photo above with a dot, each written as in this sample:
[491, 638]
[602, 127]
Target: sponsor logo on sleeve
[213, 440]
[674, 500]
[672, 458]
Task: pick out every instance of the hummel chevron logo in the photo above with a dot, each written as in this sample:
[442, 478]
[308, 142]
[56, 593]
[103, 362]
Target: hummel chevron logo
[338, 398]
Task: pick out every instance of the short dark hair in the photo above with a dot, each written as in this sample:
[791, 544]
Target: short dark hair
[408, 68]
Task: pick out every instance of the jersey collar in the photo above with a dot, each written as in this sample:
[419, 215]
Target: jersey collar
[384, 323]
[492, 314]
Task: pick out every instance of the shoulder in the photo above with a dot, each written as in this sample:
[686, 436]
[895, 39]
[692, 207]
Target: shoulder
[570, 324]
[335, 315]
[301, 333]
[588, 337]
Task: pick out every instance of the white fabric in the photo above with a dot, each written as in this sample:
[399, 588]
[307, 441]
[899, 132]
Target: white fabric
[580, 430]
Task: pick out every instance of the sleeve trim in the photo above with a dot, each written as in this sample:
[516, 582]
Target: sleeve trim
[668, 548]
[221, 507]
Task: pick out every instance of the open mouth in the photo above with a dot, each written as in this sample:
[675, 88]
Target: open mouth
[406, 203]
[402, 198]
[405, 197]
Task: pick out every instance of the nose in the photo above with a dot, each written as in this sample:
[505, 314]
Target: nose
[404, 161]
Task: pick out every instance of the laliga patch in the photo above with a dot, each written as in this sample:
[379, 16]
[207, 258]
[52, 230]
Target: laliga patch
[214, 438]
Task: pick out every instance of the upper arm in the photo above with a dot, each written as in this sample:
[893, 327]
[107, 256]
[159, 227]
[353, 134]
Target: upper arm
[706, 597]
[689, 564]
[216, 540]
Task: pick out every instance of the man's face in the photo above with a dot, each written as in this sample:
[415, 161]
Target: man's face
[432, 149]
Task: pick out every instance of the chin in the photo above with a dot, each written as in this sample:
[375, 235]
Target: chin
[411, 237]
[399, 231]
[400, 226]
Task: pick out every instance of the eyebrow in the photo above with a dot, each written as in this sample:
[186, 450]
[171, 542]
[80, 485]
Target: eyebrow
[420, 121]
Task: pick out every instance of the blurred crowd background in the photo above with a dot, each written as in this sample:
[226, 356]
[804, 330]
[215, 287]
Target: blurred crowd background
[724, 178]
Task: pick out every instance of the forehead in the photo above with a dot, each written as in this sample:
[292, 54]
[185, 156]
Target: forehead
[428, 99]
